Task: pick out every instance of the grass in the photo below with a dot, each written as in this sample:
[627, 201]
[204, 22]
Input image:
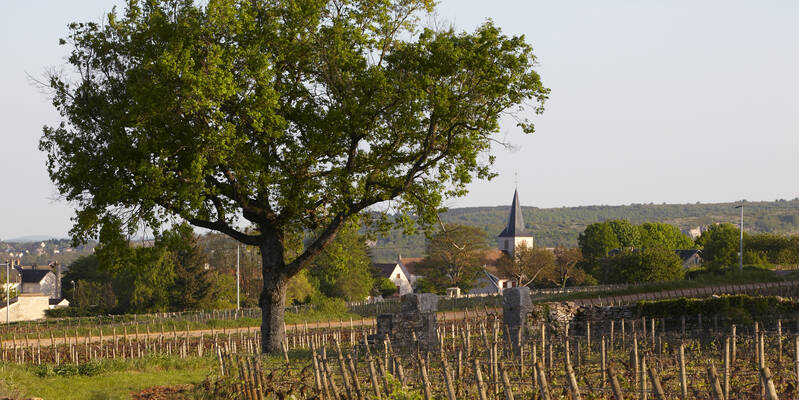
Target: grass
[110, 379]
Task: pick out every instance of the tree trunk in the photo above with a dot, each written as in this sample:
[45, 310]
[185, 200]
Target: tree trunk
[273, 300]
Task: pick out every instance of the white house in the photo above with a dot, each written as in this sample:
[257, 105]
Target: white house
[401, 273]
[39, 280]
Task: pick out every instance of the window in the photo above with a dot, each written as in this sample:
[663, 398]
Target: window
[506, 244]
[397, 276]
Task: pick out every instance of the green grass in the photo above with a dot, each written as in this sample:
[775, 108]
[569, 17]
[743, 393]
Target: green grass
[112, 379]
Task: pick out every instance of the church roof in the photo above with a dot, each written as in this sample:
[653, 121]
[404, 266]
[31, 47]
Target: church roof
[515, 220]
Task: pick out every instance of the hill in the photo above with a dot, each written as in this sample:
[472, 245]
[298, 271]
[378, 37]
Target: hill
[554, 226]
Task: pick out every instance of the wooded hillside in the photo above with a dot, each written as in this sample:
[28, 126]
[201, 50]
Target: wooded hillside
[553, 226]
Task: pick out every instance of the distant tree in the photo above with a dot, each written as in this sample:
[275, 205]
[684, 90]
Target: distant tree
[193, 285]
[659, 234]
[644, 265]
[83, 271]
[343, 268]
[627, 235]
[527, 264]
[455, 255]
[424, 285]
[720, 243]
[142, 275]
[566, 268]
[596, 241]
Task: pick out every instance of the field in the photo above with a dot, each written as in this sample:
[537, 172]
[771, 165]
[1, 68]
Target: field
[214, 354]
[675, 357]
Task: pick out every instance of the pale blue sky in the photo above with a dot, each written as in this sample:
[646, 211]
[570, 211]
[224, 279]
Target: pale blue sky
[678, 102]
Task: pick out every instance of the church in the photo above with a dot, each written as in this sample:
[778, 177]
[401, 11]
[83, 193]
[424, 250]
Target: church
[513, 236]
[402, 272]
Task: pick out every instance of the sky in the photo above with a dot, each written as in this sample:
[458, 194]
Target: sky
[652, 101]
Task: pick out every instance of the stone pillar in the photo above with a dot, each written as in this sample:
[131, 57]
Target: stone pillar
[417, 316]
[516, 305]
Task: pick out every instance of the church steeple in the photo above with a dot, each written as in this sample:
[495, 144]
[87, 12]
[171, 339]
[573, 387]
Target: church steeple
[515, 225]
[514, 234]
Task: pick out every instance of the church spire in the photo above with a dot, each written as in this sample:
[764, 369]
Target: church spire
[515, 225]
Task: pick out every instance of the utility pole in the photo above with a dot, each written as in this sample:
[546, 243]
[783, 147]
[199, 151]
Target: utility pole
[238, 286]
[741, 242]
[8, 292]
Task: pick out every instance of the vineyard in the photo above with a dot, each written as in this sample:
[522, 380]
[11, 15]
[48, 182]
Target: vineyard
[685, 357]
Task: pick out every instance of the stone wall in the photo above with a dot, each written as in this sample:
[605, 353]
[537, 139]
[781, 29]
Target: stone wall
[29, 306]
[416, 319]
[562, 314]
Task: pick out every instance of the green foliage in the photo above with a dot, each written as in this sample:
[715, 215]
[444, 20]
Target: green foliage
[627, 235]
[343, 268]
[597, 240]
[659, 234]
[645, 265]
[3, 293]
[732, 305]
[293, 116]
[562, 226]
[299, 290]
[193, 286]
[424, 285]
[169, 275]
[386, 287]
[454, 257]
[720, 245]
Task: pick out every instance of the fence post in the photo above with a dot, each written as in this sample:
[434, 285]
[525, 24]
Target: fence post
[478, 374]
[715, 385]
[683, 381]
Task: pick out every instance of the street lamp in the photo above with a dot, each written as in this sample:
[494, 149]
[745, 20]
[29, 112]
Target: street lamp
[741, 242]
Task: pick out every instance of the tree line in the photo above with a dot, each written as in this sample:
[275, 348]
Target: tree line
[562, 226]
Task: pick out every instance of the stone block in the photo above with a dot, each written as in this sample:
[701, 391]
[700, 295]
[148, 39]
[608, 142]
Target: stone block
[516, 306]
[418, 303]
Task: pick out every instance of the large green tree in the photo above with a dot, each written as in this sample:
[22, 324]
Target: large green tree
[455, 256]
[644, 265]
[720, 244]
[660, 234]
[596, 241]
[279, 115]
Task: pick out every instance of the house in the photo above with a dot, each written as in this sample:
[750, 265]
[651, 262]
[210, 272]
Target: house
[401, 273]
[38, 280]
[690, 258]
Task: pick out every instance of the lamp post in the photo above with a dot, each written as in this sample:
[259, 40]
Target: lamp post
[741, 242]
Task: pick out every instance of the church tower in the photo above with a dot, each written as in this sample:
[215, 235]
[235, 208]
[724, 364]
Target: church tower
[514, 234]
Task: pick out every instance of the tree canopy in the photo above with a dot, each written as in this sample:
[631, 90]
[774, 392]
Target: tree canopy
[279, 116]
[527, 264]
[455, 256]
[720, 245]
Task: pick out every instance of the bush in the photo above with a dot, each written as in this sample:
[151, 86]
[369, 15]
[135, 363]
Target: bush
[88, 311]
[646, 265]
[736, 307]
[386, 287]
